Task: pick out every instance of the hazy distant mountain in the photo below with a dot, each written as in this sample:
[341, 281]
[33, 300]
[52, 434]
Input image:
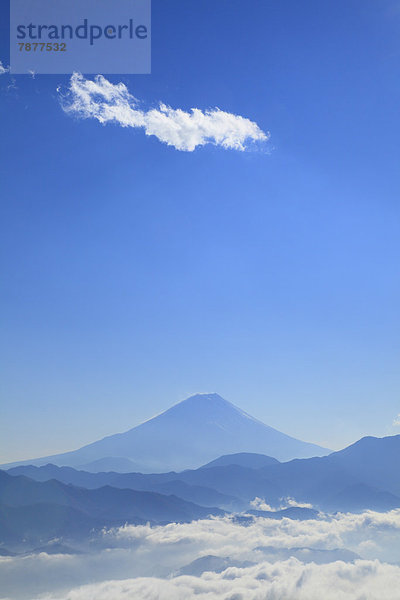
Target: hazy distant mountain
[5, 552]
[36, 511]
[163, 484]
[363, 476]
[296, 513]
[243, 459]
[307, 555]
[110, 463]
[55, 547]
[188, 435]
[372, 460]
[224, 484]
[215, 564]
[359, 497]
[24, 527]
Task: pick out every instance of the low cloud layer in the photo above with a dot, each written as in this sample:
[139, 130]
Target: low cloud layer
[364, 580]
[370, 534]
[266, 559]
[112, 103]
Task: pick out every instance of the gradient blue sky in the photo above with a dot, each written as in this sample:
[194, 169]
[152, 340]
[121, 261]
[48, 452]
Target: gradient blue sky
[134, 275]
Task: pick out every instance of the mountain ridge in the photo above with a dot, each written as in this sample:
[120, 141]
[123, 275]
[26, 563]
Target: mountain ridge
[361, 477]
[51, 508]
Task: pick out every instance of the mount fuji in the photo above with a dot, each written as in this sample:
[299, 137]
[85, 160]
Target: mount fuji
[187, 435]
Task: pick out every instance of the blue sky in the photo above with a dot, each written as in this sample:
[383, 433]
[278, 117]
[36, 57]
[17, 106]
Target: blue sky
[135, 274]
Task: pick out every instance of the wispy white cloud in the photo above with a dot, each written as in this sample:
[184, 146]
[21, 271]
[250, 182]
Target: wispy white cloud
[260, 504]
[3, 69]
[184, 130]
[293, 502]
[396, 421]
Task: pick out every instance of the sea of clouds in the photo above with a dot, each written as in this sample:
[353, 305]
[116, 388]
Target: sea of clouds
[340, 557]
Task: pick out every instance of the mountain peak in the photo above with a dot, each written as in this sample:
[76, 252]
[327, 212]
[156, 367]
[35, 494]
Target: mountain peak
[189, 434]
[205, 406]
[205, 397]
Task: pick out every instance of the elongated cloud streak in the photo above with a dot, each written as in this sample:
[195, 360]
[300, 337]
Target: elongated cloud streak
[112, 103]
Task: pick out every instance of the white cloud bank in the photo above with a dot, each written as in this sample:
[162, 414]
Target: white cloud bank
[289, 580]
[370, 534]
[142, 562]
[112, 103]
